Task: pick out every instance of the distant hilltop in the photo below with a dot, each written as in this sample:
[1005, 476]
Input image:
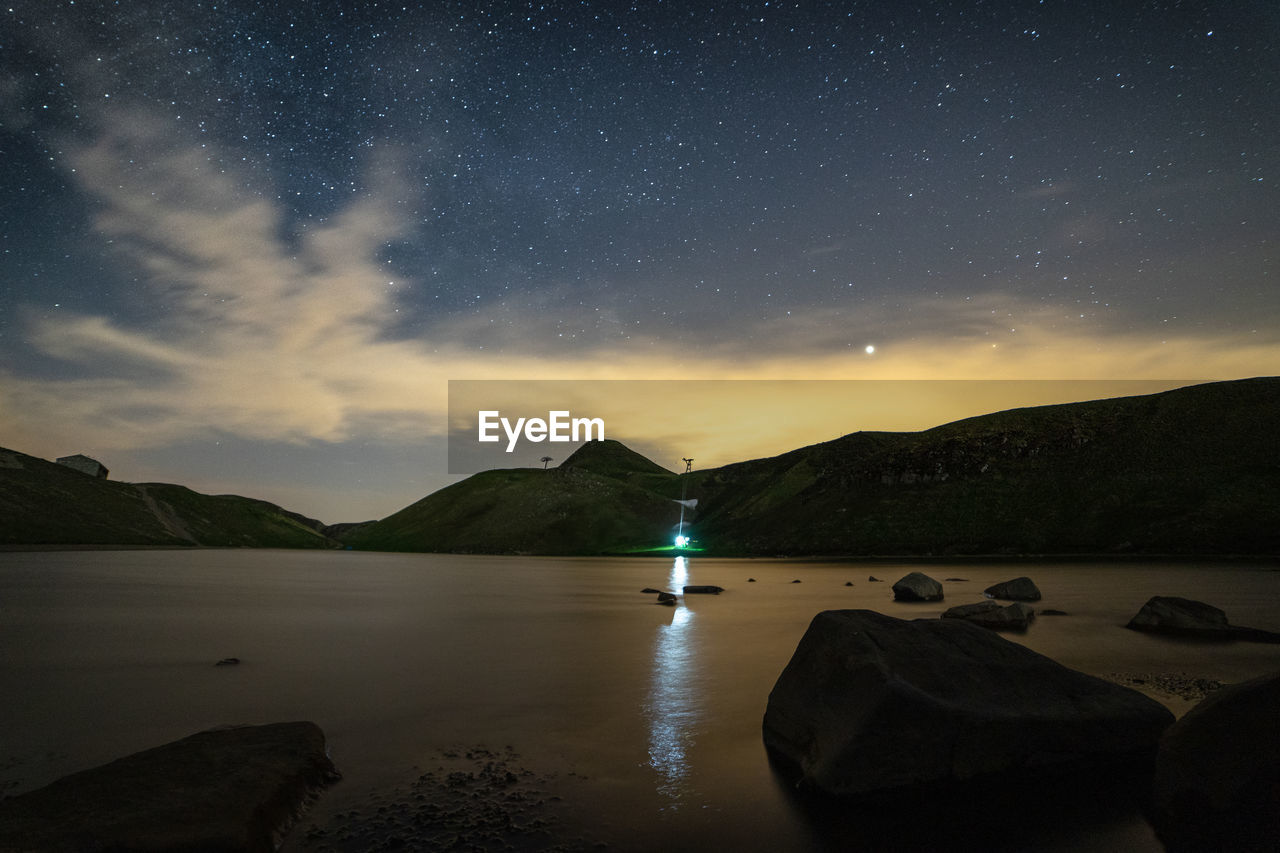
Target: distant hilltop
[84, 464]
[72, 503]
[1191, 471]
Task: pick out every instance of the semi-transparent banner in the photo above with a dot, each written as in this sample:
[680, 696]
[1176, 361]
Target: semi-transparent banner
[540, 423]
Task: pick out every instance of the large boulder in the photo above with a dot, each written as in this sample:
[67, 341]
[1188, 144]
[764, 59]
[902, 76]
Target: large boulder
[1217, 780]
[869, 703]
[917, 586]
[1168, 614]
[989, 614]
[232, 789]
[1018, 589]
[1172, 615]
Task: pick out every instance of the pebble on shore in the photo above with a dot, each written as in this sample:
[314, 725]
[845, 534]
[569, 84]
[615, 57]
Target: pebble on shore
[1189, 687]
[473, 798]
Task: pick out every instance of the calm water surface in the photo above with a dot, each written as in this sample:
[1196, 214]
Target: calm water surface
[646, 718]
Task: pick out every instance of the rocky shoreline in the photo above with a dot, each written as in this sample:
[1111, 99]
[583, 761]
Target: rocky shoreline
[235, 789]
[1189, 688]
[470, 798]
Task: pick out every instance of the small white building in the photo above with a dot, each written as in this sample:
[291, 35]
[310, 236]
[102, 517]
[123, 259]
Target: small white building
[84, 464]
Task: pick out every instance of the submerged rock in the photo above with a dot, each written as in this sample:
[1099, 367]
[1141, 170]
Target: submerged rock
[969, 611]
[874, 579]
[1018, 589]
[666, 598]
[233, 789]
[1167, 614]
[869, 703]
[648, 590]
[1217, 781]
[705, 589]
[228, 662]
[917, 586]
[989, 614]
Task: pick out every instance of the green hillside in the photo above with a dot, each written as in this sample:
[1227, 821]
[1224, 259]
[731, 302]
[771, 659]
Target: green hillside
[604, 497]
[42, 503]
[1193, 471]
[1190, 471]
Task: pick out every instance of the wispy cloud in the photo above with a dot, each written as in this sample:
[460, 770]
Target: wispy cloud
[267, 331]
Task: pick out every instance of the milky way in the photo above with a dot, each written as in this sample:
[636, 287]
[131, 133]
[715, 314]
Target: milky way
[284, 226]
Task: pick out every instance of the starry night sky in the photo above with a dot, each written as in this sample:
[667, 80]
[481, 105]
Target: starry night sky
[244, 246]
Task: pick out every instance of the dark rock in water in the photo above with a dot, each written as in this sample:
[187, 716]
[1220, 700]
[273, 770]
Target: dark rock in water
[703, 590]
[228, 662]
[648, 590]
[751, 580]
[1167, 614]
[869, 703]
[1017, 616]
[232, 789]
[874, 579]
[1018, 589]
[1256, 635]
[1051, 612]
[1172, 615]
[666, 602]
[848, 583]
[988, 614]
[917, 586]
[1217, 782]
[666, 598]
[967, 611]
[797, 580]
[955, 580]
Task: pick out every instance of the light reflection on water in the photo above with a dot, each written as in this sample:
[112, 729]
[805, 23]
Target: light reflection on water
[671, 707]
[112, 652]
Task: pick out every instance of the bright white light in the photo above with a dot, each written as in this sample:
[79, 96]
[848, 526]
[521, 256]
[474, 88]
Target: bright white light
[679, 575]
[871, 349]
[681, 541]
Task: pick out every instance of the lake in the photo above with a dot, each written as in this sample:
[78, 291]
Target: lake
[622, 723]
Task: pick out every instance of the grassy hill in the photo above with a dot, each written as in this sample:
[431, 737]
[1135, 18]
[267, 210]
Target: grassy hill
[605, 497]
[1190, 471]
[1195, 470]
[42, 503]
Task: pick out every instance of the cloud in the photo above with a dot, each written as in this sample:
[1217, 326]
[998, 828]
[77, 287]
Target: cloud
[268, 331]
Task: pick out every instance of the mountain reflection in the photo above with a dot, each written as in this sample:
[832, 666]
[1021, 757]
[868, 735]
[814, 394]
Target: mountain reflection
[671, 706]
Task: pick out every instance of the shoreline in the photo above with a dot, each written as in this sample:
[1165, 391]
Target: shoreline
[1065, 557]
